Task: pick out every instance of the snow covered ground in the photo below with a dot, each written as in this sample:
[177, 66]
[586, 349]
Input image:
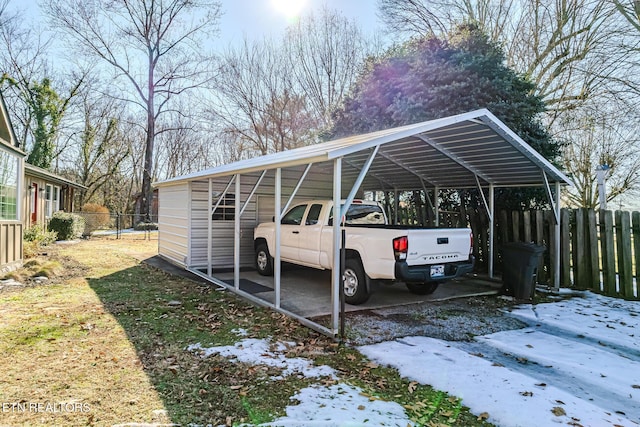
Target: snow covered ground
[578, 363]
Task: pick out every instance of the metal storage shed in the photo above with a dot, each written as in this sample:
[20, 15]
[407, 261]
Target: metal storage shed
[206, 219]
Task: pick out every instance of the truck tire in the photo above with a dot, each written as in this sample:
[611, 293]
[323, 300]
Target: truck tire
[426, 288]
[264, 262]
[355, 282]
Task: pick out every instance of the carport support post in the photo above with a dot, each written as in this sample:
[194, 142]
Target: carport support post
[276, 217]
[335, 271]
[491, 227]
[436, 200]
[556, 270]
[209, 228]
[236, 237]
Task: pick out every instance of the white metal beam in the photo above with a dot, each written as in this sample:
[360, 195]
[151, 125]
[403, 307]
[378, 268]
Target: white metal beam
[295, 191]
[335, 272]
[209, 230]
[556, 272]
[210, 220]
[277, 267]
[403, 166]
[253, 191]
[359, 180]
[492, 207]
[455, 158]
[236, 235]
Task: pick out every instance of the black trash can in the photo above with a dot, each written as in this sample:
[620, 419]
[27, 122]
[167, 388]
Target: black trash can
[520, 269]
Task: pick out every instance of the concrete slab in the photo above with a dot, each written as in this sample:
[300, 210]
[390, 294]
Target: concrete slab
[307, 292]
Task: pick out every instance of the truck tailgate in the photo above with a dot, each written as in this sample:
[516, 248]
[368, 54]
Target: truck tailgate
[438, 245]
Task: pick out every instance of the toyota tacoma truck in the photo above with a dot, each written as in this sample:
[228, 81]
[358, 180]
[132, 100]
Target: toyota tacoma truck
[422, 258]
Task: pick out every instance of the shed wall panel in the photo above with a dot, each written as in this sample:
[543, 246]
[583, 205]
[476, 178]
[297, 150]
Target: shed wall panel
[173, 223]
[316, 185]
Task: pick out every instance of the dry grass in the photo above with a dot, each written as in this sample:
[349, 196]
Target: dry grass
[102, 335]
[59, 345]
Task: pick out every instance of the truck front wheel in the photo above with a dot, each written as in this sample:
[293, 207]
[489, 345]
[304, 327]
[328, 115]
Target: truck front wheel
[354, 282]
[426, 288]
[264, 263]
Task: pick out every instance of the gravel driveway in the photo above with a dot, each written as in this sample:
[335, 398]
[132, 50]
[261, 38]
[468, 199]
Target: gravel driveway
[452, 320]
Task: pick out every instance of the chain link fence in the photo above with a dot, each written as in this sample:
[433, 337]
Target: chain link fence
[120, 226]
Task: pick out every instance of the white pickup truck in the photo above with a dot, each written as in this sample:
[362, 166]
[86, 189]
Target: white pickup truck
[420, 257]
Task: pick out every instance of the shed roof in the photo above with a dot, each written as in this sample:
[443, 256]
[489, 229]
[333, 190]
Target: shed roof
[450, 152]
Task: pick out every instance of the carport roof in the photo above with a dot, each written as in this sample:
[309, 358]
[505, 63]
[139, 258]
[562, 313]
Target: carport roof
[452, 152]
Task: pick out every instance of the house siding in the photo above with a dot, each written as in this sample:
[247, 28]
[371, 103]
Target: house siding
[10, 245]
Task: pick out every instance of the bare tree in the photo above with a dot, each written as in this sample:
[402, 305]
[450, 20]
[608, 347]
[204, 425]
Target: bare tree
[326, 52]
[182, 148]
[596, 137]
[23, 61]
[566, 47]
[101, 150]
[154, 48]
[257, 103]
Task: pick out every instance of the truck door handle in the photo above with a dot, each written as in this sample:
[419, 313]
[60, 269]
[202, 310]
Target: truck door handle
[443, 240]
[295, 232]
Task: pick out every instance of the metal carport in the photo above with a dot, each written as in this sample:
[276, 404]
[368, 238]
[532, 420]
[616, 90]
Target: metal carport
[471, 150]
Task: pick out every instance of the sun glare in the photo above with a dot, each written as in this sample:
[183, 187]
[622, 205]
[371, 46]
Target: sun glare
[289, 8]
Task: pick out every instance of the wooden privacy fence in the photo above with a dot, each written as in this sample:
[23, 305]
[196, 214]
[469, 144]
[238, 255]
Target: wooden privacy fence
[599, 250]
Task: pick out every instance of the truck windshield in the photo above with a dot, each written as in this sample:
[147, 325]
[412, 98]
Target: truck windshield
[362, 214]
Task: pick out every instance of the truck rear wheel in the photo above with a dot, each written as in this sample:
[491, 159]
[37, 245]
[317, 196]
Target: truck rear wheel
[354, 282]
[426, 288]
[264, 262]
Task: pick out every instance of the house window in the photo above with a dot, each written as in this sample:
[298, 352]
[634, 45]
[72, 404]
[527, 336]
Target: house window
[9, 167]
[51, 200]
[226, 210]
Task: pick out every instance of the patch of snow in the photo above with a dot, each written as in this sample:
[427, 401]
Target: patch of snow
[262, 352]
[510, 398]
[340, 405]
[610, 321]
[241, 332]
[591, 371]
[578, 363]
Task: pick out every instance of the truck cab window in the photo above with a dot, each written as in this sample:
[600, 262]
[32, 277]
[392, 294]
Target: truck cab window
[294, 216]
[362, 214]
[313, 215]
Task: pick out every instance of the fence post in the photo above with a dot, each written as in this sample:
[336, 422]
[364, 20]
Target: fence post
[118, 225]
[504, 227]
[565, 247]
[526, 221]
[515, 217]
[592, 251]
[635, 216]
[623, 240]
[608, 254]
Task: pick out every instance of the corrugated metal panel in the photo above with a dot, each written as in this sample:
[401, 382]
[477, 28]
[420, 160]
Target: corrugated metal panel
[173, 223]
[317, 184]
[448, 152]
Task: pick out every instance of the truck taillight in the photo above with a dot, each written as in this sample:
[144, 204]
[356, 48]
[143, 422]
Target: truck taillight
[470, 244]
[400, 248]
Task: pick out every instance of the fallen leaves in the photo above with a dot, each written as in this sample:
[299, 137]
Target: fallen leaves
[558, 411]
[483, 416]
